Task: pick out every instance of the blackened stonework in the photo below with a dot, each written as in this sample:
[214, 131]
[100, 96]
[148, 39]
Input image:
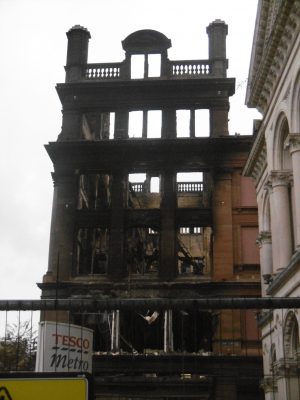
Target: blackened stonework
[144, 208]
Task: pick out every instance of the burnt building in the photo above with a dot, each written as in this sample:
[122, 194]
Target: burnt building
[149, 206]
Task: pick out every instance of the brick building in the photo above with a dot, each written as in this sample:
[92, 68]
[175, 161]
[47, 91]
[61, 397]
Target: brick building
[148, 205]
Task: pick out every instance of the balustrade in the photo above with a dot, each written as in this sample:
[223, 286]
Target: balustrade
[103, 71]
[189, 187]
[137, 187]
[187, 69]
[190, 68]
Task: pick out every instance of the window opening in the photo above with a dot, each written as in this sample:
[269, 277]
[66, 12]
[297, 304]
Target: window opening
[188, 182]
[135, 127]
[137, 66]
[141, 332]
[142, 251]
[143, 191]
[92, 250]
[94, 191]
[154, 65]
[100, 323]
[202, 123]
[182, 123]
[194, 246]
[154, 124]
[111, 125]
[192, 331]
[154, 184]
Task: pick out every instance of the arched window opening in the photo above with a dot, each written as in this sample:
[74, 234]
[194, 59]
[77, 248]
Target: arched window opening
[291, 336]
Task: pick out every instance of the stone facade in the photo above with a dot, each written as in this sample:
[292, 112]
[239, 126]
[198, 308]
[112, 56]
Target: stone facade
[274, 87]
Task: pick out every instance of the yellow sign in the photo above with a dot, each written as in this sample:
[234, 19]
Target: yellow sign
[44, 388]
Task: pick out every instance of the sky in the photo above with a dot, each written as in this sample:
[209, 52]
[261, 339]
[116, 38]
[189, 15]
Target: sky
[33, 47]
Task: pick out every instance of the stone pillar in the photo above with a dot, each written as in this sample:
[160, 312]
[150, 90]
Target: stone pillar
[51, 262]
[77, 54]
[121, 124]
[282, 219]
[218, 121]
[223, 229]
[116, 267]
[293, 144]
[62, 227]
[167, 247]
[71, 125]
[264, 241]
[168, 331]
[217, 32]
[168, 130]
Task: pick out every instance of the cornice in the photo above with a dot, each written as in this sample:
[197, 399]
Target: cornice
[257, 158]
[277, 27]
[281, 279]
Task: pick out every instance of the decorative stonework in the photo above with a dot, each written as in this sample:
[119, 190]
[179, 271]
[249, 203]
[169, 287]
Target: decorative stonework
[292, 142]
[275, 33]
[280, 178]
[257, 161]
[264, 237]
[269, 385]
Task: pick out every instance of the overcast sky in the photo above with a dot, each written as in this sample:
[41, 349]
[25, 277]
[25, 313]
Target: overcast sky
[33, 48]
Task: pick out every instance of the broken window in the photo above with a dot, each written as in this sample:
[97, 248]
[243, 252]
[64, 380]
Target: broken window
[94, 191]
[192, 123]
[154, 65]
[190, 189]
[183, 123]
[142, 251]
[135, 127]
[137, 66]
[145, 66]
[141, 332]
[101, 324]
[192, 331]
[144, 191]
[98, 125]
[145, 124]
[194, 250]
[92, 251]
[154, 123]
[112, 117]
[202, 123]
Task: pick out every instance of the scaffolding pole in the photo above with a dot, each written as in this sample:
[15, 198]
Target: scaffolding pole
[89, 305]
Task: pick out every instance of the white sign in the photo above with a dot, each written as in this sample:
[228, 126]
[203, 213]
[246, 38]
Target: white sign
[64, 348]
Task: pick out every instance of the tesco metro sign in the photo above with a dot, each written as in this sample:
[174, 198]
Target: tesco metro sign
[64, 348]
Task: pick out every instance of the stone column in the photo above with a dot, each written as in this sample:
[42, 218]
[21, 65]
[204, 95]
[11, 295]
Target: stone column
[168, 257]
[264, 242]
[62, 226]
[119, 190]
[168, 123]
[282, 219]
[168, 331]
[293, 144]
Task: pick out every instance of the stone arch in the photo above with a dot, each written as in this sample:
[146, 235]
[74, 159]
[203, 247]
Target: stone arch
[295, 104]
[291, 335]
[281, 155]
